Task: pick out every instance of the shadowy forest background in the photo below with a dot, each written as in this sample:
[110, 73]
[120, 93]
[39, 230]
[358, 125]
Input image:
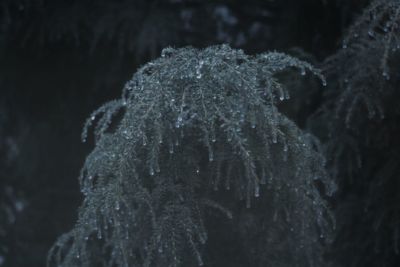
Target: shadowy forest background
[62, 59]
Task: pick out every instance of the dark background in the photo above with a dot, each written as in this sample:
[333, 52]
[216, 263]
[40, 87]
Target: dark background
[61, 59]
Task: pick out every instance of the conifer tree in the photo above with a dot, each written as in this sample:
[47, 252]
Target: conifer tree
[195, 142]
[356, 123]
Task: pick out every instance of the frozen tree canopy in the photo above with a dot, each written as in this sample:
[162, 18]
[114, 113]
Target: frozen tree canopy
[193, 131]
[202, 145]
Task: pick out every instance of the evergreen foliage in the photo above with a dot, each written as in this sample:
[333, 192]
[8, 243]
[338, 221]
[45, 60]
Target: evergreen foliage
[205, 158]
[189, 128]
[362, 114]
[363, 62]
